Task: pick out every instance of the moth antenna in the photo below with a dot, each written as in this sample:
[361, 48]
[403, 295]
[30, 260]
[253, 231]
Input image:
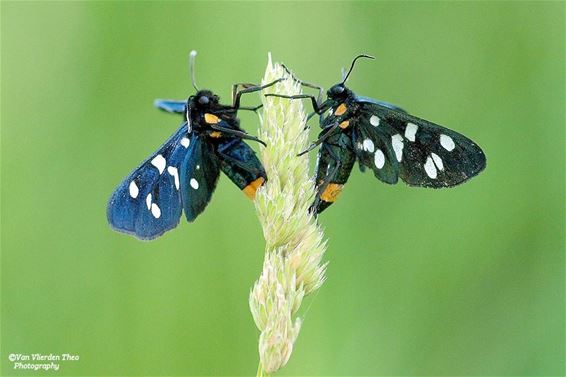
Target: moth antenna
[354, 62]
[192, 57]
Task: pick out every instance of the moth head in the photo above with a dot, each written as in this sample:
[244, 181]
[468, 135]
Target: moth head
[338, 92]
[203, 99]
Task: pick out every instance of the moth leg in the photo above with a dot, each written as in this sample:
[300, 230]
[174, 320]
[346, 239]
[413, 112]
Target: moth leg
[318, 109]
[240, 134]
[304, 83]
[243, 85]
[251, 108]
[251, 89]
[308, 85]
[232, 111]
[321, 139]
[311, 115]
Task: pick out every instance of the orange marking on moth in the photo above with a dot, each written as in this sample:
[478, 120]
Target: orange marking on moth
[251, 189]
[215, 134]
[340, 110]
[344, 124]
[331, 192]
[211, 118]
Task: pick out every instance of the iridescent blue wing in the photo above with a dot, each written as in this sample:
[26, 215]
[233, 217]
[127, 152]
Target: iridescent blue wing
[171, 106]
[148, 201]
[199, 173]
[395, 144]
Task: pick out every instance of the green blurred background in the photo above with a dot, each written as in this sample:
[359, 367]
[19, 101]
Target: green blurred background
[468, 281]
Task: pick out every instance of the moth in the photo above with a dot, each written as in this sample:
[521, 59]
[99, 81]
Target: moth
[387, 140]
[182, 174]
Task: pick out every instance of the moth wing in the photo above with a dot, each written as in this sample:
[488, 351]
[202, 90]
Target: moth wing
[381, 103]
[171, 106]
[147, 203]
[199, 174]
[374, 149]
[425, 154]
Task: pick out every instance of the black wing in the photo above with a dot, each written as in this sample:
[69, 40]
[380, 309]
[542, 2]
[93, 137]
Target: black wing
[396, 144]
[379, 102]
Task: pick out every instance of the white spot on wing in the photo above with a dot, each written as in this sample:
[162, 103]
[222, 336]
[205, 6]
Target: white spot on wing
[447, 142]
[148, 201]
[173, 171]
[194, 183]
[368, 145]
[374, 120]
[430, 168]
[159, 162]
[134, 190]
[185, 142]
[155, 211]
[437, 161]
[397, 142]
[379, 159]
[411, 131]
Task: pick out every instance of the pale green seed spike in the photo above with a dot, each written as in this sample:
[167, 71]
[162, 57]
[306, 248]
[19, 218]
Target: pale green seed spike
[295, 244]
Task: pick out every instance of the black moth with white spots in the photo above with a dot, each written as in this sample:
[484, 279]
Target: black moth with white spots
[387, 140]
[182, 174]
